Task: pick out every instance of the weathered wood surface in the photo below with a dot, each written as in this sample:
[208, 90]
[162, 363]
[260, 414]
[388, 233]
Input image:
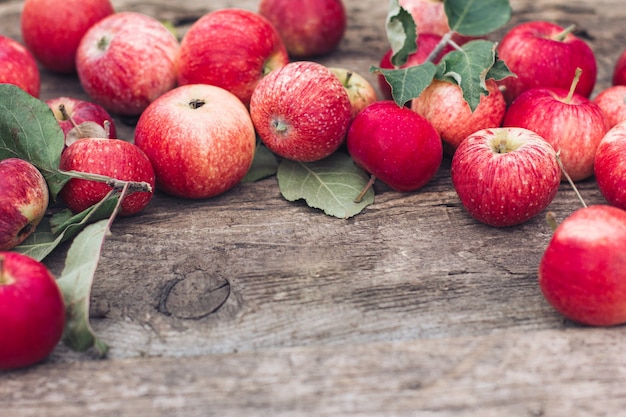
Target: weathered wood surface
[247, 304]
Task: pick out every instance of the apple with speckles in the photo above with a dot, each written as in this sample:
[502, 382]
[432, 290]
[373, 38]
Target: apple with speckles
[19, 66]
[80, 118]
[612, 101]
[609, 165]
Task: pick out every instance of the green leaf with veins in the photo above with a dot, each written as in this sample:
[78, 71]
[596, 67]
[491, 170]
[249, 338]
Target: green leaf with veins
[401, 33]
[408, 83]
[29, 131]
[331, 184]
[477, 17]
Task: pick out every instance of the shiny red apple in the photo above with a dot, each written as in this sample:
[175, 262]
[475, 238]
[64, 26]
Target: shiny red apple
[610, 165]
[19, 66]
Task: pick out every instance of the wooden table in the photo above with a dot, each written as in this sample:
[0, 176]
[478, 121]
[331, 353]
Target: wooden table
[408, 309]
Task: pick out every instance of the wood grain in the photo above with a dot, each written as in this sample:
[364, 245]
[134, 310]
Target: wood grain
[246, 304]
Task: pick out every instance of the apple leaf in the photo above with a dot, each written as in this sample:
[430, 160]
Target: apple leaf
[331, 184]
[477, 17]
[76, 282]
[469, 68]
[408, 83]
[264, 164]
[29, 131]
[401, 33]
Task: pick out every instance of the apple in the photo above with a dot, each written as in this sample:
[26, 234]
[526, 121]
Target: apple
[395, 145]
[582, 272]
[360, 91]
[610, 165]
[32, 311]
[199, 138]
[114, 158]
[619, 71]
[426, 43]
[442, 103]
[230, 48]
[19, 66]
[544, 54]
[430, 17]
[24, 199]
[53, 29]
[301, 111]
[505, 176]
[127, 60]
[570, 122]
[612, 101]
[309, 28]
[81, 118]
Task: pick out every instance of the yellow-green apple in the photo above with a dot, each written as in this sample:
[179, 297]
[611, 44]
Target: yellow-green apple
[360, 91]
[32, 311]
[442, 103]
[619, 71]
[544, 54]
[232, 49]
[301, 111]
[19, 66]
[570, 122]
[612, 101]
[127, 60]
[426, 43]
[395, 145]
[308, 28]
[114, 158]
[81, 118]
[505, 176]
[199, 138]
[24, 199]
[53, 29]
[582, 272]
[610, 165]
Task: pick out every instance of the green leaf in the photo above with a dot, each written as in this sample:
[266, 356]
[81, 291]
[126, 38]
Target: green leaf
[499, 70]
[477, 17]
[29, 130]
[401, 33]
[264, 164]
[468, 68]
[408, 83]
[331, 184]
[76, 281]
[63, 226]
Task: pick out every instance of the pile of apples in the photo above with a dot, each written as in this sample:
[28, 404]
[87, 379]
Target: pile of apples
[237, 75]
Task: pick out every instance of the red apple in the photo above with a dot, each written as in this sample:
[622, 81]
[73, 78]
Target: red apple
[19, 66]
[309, 28]
[23, 201]
[230, 48]
[505, 176]
[77, 117]
[582, 273]
[426, 43]
[32, 311]
[199, 138]
[442, 103]
[301, 111]
[619, 71]
[396, 145]
[360, 91]
[127, 60]
[113, 158]
[612, 101]
[610, 165]
[571, 123]
[430, 17]
[53, 29]
[544, 54]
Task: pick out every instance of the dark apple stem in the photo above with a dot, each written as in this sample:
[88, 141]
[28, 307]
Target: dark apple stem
[572, 87]
[66, 116]
[347, 80]
[569, 179]
[2, 280]
[107, 128]
[563, 34]
[369, 185]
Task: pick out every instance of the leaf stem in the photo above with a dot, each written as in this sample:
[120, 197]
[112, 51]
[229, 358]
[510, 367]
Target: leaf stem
[445, 40]
[116, 184]
[569, 179]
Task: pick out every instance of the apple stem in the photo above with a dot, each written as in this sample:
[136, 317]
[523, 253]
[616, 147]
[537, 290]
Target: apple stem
[2, 280]
[66, 116]
[551, 220]
[107, 128]
[569, 179]
[369, 185]
[347, 80]
[572, 88]
[563, 34]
